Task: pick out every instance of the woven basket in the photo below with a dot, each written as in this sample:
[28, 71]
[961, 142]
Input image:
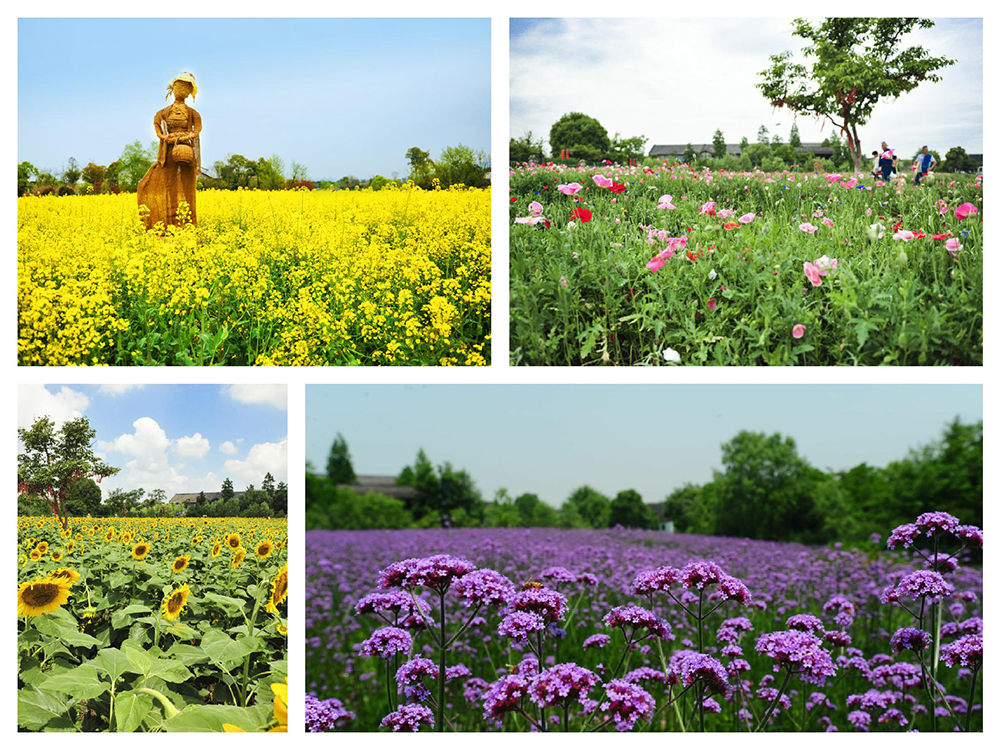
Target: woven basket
[183, 153]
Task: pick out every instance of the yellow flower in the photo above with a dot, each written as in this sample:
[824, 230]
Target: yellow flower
[279, 590]
[238, 557]
[233, 541]
[216, 549]
[174, 604]
[41, 596]
[140, 551]
[264, 549]
[66, 574]
[42, 547]
[180, 563]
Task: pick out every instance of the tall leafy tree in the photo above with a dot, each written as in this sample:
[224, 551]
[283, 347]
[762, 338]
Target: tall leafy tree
[339, 468]
[851, 64]
[719, 144]
[54, 460]
[628, 510]
[133, 164]
[579, 132]
[593, 507]
[25, 171]
[71, 175]
[794, 139]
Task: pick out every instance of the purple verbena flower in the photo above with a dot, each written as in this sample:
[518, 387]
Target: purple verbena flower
[627, 703]
[387, 642]
[409, 718]
[910, 639]
[484, 587]
[633, 618]
[562, 684]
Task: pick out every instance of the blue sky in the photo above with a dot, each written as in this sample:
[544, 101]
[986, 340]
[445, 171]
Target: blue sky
[677, 80]
[178, 438]
[341, 96]
[552, 439]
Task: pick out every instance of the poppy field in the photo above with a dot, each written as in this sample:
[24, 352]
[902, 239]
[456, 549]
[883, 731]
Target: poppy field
[146, 624]
[674, 266]
[621, 630]
[398, 276]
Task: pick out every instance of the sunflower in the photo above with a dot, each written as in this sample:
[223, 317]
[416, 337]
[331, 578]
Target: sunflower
[35, 555]
[238, 557]
[22, 560]
[66, 533]
[42, 547]
[233, 541]
[281, 628]
[69, 546]
[41, 596]
[279, 590]
[56, 555]
[140, 550]
[66, 574]
[280, 705]
[216, 549]
[29, 542]
[180, 563]
[174, 604]
[264, 549]
[110, 536]
[79, 537]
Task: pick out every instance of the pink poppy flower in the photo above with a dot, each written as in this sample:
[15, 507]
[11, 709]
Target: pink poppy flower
[953, 246]
[849, 184]
[707, 208]
[827, 221]
[942, 207]
[807, 227]
[833, 177]
[711, 305]
[602, 181]
[965, 211]
[562, 281]
[825, 264]
[812, 273]
[571, 189]
[535, 208]
[798, 331]
[903, 234]
[667, 202]
[659, 261]
[747, 218]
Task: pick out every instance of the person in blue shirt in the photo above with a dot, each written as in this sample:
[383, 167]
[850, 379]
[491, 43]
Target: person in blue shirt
[885, 162]
[925, 160]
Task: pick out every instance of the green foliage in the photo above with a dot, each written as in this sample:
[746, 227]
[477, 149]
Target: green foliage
[622, 150]
[460, 165]
[133, 164]
[331, 507]
[719, 144]
[591, 506]
[853, 64]
[956, 160]
[25, 171]
[526, 149]
[794, 140]
[577, 130]
[628, 510]
[71, 174]
[339, 468]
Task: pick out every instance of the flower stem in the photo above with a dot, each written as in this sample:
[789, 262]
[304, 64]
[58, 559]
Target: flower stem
[774, 703]
[442, 664]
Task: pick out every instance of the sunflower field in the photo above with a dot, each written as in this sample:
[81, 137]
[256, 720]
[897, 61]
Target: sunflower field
[158, 625]
[399, 276]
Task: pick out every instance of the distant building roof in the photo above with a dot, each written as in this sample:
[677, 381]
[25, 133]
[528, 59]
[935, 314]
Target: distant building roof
[186, 498]
[383, 485]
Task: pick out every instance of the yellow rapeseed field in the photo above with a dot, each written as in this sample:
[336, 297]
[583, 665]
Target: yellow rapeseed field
[397, 276]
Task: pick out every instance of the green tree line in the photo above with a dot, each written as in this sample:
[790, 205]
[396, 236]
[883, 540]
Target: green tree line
[764, 489]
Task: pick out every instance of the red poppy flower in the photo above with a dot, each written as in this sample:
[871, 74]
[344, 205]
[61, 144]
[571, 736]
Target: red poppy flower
[731, 225]
[512, 200]
[583, 214]
[617, 188]
[896, 226]
[941, 236]
[919, 235]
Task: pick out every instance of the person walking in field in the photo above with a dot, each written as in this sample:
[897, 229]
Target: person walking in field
[876, 170]
[885, 162]
[925, 161]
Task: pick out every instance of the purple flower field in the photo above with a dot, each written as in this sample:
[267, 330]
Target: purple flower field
[618, 630]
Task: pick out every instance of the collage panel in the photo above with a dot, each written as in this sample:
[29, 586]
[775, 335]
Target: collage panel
[152, 554]
[766, 571]
[785, 192]
[231, 205]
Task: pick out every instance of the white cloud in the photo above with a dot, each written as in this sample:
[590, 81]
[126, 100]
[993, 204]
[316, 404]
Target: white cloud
[149, 466]
[192, 446]
[262, 458]
[228, 449]
[704, 75]
[272, 395]
[117, 389]
[34, 401]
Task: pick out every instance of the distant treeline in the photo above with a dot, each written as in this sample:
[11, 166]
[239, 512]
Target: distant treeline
[457, 165]
[764, 490]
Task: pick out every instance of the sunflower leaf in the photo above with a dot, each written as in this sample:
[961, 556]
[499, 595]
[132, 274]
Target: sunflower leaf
[36, 707]
[130, 710]
[82, 683]
[222, 649]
